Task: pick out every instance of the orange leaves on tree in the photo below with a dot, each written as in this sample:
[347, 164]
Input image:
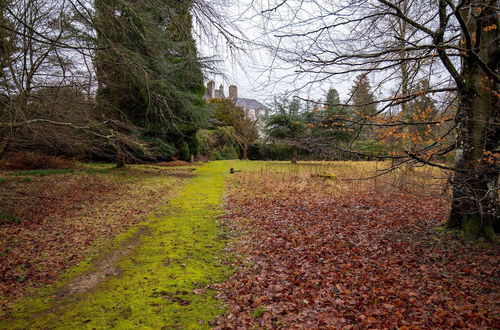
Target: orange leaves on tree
[490, 28]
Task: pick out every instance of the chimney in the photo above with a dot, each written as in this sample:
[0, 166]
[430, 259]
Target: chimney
[221, 89]
[211, 89]
[233, 92]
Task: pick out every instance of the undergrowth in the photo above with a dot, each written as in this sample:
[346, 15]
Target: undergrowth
[59, 171]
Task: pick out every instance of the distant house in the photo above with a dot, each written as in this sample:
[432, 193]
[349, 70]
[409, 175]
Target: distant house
[253, 108]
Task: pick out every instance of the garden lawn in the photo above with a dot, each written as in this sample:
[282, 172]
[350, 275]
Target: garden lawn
[158, 274]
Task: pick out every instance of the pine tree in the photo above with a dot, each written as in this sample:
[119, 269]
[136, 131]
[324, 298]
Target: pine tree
[421, 110]
[362, 97]
[148, 71]
[364, 106]
[333, 100]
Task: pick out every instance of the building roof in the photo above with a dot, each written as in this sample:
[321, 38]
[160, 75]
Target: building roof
[250, 104]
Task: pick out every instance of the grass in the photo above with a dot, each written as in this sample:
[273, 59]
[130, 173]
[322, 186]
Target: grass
[42, 172]
[162, 284]
[336, 178]
[257, 312]
[59, 171]
[8, 218]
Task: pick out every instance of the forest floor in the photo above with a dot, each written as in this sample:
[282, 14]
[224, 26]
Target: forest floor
[320, 249]
[155, 274]
[274, 245]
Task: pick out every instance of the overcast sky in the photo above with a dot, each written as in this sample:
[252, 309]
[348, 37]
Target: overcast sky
[257, 73]
[261, 75]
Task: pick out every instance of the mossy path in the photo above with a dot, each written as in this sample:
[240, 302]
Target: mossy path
[158, 283]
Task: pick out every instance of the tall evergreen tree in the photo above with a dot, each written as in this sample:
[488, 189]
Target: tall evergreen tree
[333, 100]
[362, 96]
[148, 70]
[334, 119]
[364, 105]
[421, 110]
[287, 124]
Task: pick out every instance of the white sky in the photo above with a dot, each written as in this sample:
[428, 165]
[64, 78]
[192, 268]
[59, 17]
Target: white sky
[250, 69]
[260, 75]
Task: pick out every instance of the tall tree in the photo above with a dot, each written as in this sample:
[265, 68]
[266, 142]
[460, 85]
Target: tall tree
[6, 38]
[148, 69]
[459, 42]
[333, 100]
[287, 124]
[242, 129]
[364, 106]
[328, 123]
[362, 97]
[422, 109]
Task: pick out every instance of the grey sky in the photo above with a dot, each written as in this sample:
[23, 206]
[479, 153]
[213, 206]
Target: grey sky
[250, 69]
[261, 75]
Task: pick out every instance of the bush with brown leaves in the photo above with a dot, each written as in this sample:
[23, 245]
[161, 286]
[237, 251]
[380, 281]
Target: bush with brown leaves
[33, 161]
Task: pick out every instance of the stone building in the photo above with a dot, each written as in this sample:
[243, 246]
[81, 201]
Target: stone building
[253, 108]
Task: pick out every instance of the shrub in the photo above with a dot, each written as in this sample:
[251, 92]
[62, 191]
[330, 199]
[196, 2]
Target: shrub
[33, 161]
[184, 152]
[217, 144]
[264, 151]
[370, 147]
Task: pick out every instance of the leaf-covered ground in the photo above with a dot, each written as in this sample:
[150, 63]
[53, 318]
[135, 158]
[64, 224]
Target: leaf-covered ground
[161, 283]
[52, 220]
[319, 253]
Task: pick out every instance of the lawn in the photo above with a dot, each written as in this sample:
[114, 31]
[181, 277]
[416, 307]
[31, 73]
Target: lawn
[52, 220]
[274, 245]
[157, 274]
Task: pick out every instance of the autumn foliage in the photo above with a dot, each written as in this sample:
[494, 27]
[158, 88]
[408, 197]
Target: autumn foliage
[323, 254]
[33, 161]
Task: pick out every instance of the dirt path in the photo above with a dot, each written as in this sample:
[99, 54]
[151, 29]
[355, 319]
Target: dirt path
[159, 277]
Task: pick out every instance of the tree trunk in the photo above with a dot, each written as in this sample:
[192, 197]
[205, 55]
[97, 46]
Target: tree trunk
[295, 155]
[244, 151]
[120, 155]
[475, 207]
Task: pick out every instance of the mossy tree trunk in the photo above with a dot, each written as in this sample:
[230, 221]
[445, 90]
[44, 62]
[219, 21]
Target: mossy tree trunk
[475, 206]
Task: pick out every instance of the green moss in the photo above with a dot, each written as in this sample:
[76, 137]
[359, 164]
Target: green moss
[256, 313]
[162, 282]
[8, 218]
[471, 226]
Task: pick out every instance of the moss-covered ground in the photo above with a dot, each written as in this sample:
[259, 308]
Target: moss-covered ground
[162, 283]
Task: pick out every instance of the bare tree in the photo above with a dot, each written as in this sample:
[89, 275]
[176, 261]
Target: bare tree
[47, 78]
[451, 43]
